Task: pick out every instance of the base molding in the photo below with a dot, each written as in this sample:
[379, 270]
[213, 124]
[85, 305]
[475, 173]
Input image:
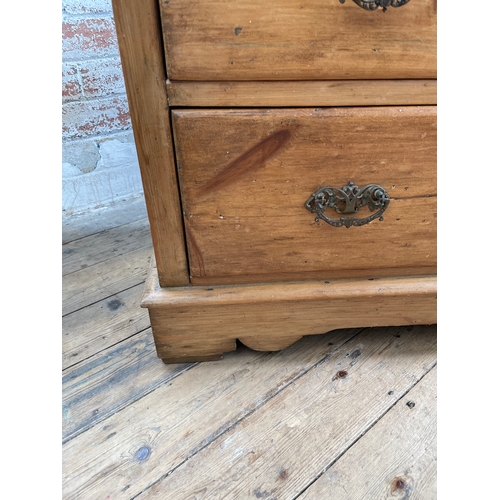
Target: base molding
[202, 323]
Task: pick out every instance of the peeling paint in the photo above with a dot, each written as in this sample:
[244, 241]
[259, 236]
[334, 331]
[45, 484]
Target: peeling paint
[99, 158]
[87, 6]
[100, 116]
[115, 175]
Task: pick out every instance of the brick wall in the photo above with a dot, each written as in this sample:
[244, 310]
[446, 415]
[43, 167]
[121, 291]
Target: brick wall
[99, 158]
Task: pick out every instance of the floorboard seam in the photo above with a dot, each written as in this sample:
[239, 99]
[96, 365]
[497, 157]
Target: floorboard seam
[217, 434]
[149, 245]
[105, 230]
[118, 410]
[104, 298]
[365, 432]
[106, 348]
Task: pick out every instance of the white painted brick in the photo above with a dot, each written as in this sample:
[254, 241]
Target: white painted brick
[70, 170]
[86, 6]
[89, 37]
[99, 188]
[86, 155]
[116, 176]
[118, 151]
[102, 77]
[81, 154]
[99, 116]
[71, 88]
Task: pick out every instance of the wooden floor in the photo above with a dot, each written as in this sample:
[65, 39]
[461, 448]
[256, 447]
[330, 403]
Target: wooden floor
[346, 415]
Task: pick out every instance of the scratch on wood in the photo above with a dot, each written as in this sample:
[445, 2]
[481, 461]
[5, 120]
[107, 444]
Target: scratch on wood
[252, 160]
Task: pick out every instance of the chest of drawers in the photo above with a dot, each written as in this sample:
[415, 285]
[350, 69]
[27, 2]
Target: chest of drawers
[288, 157]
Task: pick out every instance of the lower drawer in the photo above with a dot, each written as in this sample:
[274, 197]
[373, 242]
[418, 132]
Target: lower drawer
[246, 176]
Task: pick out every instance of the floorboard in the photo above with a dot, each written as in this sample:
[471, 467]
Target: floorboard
[182, 417]
[77, 226]
[92, 329]
[275, 452]
[87, 286]
[397, 458]
[100, 247]
[111, 380]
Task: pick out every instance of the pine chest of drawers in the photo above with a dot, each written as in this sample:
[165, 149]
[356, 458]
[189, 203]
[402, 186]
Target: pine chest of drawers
[288, 156]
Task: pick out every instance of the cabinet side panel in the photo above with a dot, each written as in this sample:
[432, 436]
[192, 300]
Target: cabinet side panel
[141, 51]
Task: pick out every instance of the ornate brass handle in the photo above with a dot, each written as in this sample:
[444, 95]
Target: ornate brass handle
[375, 4]
[348, 200]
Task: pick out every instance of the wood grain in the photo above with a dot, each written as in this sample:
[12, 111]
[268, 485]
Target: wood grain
[140, 44]
[101, 325]
[296, 40]
[303, 93]
[77, 226]
[136, 446]
[367, 273]
[401, 451]
[274, 453]
[92, 284]
[246, 174]
[102, 246]
[111, 380]
[197, 322]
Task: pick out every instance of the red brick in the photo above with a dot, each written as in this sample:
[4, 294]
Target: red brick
[84, 38]
[94, 117]
[102, 77]
[70, 85]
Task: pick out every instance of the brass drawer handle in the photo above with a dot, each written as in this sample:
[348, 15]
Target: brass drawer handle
[348, 200]
[375, 4]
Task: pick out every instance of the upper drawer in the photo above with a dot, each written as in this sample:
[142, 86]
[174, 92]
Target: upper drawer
[297, 40]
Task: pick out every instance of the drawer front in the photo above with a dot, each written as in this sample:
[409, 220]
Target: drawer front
[297, 40]
[245, 176]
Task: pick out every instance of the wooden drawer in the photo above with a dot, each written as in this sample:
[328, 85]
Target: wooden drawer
[245, 175]
[297, 40]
